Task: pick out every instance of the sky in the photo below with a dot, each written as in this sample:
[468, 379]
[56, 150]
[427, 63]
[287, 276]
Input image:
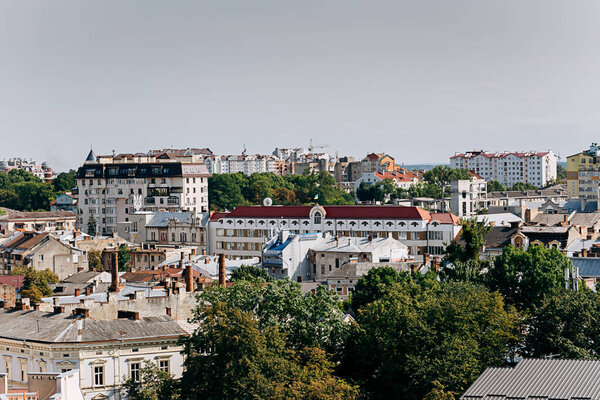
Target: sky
[419, 80]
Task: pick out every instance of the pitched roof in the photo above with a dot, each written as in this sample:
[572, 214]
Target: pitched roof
[63, 328]
[445, 218]
[161, 218]
[589, 267]
[537, 378]
[16, 215]
[24, 240]
[335, 212]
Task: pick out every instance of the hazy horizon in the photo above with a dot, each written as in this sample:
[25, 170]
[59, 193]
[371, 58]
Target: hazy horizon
[417, 80]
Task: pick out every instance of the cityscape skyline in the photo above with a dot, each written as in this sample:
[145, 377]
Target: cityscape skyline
[385, 76]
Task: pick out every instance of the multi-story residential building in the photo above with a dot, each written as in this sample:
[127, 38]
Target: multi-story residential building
[246, 164]
[178, 229]
[41, 251]
[583, 174]
[110, 188]
[244, 231]
[536, 168]
[403, 180]
[42, 171]
[106, 352]
[468, 196]
[38, 221]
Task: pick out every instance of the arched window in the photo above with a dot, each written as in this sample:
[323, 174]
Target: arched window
[317, 218]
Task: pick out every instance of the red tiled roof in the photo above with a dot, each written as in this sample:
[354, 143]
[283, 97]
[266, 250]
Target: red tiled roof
[12, 280]
[25, 240]
[445, 218]
[336, 212]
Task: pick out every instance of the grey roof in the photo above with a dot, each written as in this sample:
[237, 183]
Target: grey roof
[63, 328]
[355, 270]
[543, 379]
[91, 157]
[588, 267]
[580, 219]
[161, 218]
[82, 277]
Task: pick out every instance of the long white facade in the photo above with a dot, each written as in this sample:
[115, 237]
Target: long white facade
[536, 168]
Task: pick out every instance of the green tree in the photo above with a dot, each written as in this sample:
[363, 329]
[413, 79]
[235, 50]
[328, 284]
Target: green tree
[495, 186]
[8, 199]
[524, 277]
[20, 175]
[33, 195]
[561, 173]
[307, 320]
[36, 283]
[522, 187]
[250, 273]
[441, 176]
[233, 356]
[224, 191]
[95, 260]
[65, 181]
[92, 228]
[373, 285]
[154, 384]
[416, 334]
[123, 256]
[564, 325]
[438, 393]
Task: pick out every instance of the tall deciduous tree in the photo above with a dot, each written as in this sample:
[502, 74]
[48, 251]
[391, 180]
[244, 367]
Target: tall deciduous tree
[418, 334]
[153, 384]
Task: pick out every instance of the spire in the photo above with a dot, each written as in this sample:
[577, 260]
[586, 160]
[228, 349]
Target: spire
[91, 158]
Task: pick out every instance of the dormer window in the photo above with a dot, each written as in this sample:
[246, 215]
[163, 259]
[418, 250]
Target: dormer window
[317, 218]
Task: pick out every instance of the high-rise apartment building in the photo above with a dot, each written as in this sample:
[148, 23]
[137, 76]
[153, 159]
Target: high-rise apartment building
[583, 174]
[109, 188]
[536, 168]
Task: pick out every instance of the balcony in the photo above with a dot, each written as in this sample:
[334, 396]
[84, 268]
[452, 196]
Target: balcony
[173, 201]
[149, 201]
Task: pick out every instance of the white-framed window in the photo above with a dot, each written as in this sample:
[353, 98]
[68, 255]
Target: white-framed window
[98, 375]
[134, 371]
[164, 365]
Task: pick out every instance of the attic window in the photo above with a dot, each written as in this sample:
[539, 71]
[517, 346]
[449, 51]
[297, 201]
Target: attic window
[364, 223]
[389, 224]
[261, 222]
[240, 221]
[414, 224]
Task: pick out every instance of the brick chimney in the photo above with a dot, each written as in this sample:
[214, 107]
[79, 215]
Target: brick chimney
[114, 285]
[221, 269]
[88, 291]
[189, 278]
[77, 292]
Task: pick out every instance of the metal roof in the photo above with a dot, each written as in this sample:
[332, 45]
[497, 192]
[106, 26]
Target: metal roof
[540, 379]
[588, 267]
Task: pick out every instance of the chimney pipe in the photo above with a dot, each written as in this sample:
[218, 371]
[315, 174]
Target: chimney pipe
[189, 278]
[221, 269]
[203, 252]
[114, 285]
[77, 292]
[88, 291]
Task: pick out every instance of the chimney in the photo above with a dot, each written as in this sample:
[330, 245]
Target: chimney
[221, 269]
[77, 292]
[565, 220]
[584, 253]
[88, 291]
[207, 260]
[114, 285]
[426, 259]
[189, 278]
[203, 252]
[193, 252]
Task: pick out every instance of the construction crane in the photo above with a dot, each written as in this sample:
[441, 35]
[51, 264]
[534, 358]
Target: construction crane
[311, 147]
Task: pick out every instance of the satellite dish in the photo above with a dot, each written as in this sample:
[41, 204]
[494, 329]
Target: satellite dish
[268, 202]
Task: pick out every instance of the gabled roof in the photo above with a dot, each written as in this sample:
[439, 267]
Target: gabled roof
[540, 379]
[24, 241]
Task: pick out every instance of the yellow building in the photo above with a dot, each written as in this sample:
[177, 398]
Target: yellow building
[583, 173]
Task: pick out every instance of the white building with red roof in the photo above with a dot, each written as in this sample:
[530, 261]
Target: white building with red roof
[536, 168]
[244, 231]
[403, 180]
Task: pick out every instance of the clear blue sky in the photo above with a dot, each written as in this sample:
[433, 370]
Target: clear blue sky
[417, 79]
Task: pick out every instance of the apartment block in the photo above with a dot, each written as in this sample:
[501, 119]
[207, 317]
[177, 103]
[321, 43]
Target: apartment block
[583, 174]
[536, 168]
[468, 196]
[110, 188]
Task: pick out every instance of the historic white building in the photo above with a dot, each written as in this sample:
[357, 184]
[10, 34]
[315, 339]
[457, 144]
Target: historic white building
[110, 188]
[536, 168]
[244, 231]
[106, 352]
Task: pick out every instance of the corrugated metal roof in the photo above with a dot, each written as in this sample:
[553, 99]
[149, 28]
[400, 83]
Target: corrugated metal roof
[588, 267]
[539, 378]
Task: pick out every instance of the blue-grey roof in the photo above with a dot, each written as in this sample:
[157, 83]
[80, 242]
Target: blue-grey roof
[161, 218]
[537, 378]
[588, 267]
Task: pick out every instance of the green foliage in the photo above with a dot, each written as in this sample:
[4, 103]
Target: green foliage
[250, 273]
[227, 191]
[307, 320]
[420, 333]
[154, 384]
[37, 283]
[92, 227]
[233, 355]
[561, 173]
[495, 186]
[564, 325]
[65, 181]
[524, 277]
[522, 186]
[21, 190]
[441, 176]
[95, 260]
[123, 257]
[439, 393]
[462, 261]
[373, 285]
